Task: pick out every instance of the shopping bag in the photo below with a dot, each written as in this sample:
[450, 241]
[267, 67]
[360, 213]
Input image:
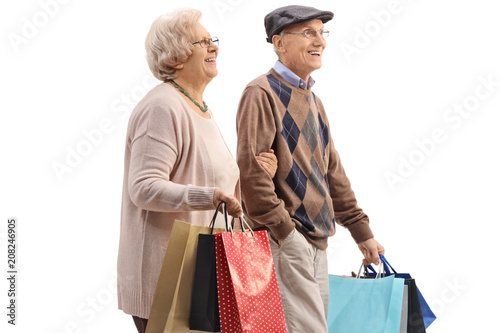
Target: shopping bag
[403, 327]
[415, 319]
[172, 300]
[427, 314]
[249, 298]
[204, 315]
[365, 305]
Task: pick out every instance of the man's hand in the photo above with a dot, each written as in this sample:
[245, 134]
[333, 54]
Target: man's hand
[371, 249]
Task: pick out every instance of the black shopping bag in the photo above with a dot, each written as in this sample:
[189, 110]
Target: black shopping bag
[415, 322]
[204, 315]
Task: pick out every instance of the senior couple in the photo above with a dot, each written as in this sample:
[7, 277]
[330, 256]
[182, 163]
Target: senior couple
[177, 165]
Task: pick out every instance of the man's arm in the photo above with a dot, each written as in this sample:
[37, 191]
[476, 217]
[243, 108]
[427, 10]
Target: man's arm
[347, 211]
[256, 128]
[345, 205]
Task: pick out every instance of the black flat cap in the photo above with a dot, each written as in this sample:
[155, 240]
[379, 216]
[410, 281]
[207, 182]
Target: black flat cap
[280, 18]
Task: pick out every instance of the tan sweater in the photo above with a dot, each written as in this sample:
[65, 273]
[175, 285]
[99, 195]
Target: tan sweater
[310, 190]
[168, 175]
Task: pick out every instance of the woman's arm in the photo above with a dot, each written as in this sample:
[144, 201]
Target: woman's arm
[149, 184]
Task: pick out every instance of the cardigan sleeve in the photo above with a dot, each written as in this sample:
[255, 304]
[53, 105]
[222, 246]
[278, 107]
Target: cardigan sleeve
[154, 153]
[256, 133]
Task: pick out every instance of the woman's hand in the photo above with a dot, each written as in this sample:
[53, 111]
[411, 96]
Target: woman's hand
[268, 162]
[232, 204]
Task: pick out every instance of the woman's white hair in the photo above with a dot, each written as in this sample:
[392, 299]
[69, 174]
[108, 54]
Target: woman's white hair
[168, 42]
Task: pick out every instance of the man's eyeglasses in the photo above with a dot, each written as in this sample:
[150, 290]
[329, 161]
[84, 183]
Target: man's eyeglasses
[206, 42]
[310, 33]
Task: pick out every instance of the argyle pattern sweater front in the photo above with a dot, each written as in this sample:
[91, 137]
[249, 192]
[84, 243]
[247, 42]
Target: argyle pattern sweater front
[310, 190]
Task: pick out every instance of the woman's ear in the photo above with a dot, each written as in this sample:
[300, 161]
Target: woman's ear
[178, 66]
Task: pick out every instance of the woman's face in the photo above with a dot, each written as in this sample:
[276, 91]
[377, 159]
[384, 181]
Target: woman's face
[201, 64]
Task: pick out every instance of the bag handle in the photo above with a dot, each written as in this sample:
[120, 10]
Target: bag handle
[386, 262]
[243, 222]
[379, 273]
[387, 271]
[212, 223]
[229, 227]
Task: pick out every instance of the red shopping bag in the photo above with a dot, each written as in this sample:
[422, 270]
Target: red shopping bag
[248, 292]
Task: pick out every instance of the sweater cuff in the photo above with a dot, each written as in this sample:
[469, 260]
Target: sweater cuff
[360, 231]
[200, 197]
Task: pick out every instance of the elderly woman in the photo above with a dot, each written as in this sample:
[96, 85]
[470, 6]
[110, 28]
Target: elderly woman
[177, 165]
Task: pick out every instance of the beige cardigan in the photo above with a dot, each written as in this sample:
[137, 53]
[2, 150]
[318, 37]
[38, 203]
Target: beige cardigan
[168, 175]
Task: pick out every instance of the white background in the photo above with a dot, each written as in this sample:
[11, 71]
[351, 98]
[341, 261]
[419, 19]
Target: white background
[86, 59]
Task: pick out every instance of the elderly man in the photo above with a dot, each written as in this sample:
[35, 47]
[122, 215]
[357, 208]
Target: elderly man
[310, 191]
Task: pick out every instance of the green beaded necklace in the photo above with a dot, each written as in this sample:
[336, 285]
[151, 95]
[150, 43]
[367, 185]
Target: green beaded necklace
[204, 109]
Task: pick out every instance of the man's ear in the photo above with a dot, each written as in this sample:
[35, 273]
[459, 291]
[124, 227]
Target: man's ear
[279, 43]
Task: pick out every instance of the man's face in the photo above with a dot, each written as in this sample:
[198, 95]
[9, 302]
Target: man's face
[300, 54]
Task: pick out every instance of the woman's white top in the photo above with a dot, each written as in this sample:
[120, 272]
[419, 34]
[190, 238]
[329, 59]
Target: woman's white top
[226, 171]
